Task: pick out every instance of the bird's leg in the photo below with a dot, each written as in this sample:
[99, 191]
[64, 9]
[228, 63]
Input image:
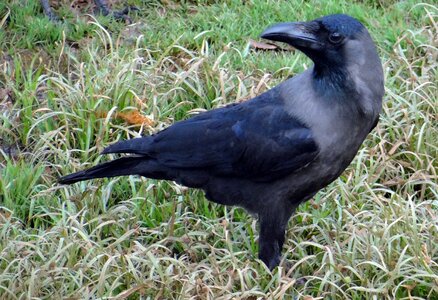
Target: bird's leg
[48, 11]
[102, 6]
[273, 222]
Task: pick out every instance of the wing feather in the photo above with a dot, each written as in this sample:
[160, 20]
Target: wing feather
[260, 143]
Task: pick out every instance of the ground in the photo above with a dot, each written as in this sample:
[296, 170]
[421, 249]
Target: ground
[70, 88]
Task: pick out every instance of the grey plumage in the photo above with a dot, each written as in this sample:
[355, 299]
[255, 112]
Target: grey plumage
[273, 152]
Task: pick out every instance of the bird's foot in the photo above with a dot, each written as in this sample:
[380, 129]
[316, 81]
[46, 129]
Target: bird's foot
[52, 17]
[272, 263]
[269, 252]
[121, 15]
[49, 12]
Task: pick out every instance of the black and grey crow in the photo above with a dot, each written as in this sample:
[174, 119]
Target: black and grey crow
[277, 150]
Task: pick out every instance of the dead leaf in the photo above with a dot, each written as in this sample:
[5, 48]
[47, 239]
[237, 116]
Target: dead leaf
[425, 252]
[5, 95]
[262, 46]
[10, 150]
[395, 147]
[133, 117]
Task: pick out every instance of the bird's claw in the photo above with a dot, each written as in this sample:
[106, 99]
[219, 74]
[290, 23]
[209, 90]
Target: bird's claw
[121, 15]
[53, 17]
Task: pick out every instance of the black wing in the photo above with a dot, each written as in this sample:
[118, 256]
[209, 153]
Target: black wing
[261, 143]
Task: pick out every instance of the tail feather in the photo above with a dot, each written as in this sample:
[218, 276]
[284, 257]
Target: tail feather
[131, 165]
[136, 146]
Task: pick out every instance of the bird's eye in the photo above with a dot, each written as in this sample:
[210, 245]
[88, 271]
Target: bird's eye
[335, 38]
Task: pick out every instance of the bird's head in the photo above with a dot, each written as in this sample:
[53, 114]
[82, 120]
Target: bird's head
[328, 41]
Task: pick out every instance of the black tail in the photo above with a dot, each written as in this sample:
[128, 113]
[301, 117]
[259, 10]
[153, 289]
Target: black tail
[138, 146]
[130, 165]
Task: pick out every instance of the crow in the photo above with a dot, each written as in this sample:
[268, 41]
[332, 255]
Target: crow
[277, 150]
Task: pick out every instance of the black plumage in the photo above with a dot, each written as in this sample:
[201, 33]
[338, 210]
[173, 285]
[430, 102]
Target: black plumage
[277, 150]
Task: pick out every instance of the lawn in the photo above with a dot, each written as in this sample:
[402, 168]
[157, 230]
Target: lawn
[69, 89]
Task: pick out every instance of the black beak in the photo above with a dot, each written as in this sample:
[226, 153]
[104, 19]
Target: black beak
[297, 34]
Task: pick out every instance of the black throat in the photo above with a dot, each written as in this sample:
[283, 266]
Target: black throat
[328, 79]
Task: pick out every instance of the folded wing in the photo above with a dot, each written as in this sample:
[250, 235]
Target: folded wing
[261, 144]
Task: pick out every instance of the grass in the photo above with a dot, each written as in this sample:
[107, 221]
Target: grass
[372, 234]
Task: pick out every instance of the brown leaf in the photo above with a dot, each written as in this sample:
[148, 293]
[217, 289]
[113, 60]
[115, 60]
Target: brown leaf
[133, 117]
[5, 95]
[395, 147]
[262, 46]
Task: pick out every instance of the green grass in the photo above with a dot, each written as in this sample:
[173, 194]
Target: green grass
[372, 234]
